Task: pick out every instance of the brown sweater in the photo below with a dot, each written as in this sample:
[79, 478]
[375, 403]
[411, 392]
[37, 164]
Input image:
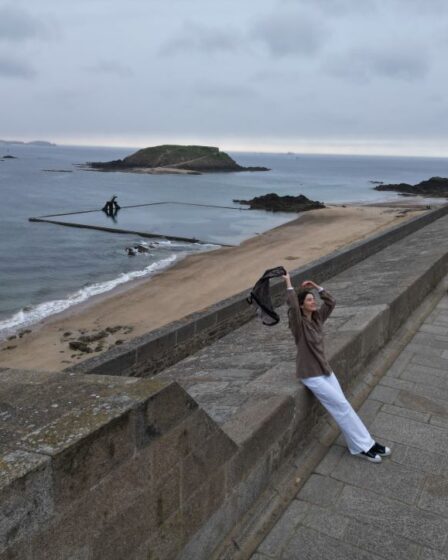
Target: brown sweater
[311, 360]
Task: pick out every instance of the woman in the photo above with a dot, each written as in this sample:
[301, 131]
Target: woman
[314, 371]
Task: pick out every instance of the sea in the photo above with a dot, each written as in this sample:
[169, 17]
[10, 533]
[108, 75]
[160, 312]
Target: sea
[48, 268]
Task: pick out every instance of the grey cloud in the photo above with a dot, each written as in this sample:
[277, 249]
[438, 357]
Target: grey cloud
[196, 37]
[291, 33]
[10, 68]
[337, 7]
[110, 67]
[16, 25]
[225, 90]
[362, 65]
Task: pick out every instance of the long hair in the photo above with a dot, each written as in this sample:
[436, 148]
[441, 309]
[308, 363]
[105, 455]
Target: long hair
[301, 295]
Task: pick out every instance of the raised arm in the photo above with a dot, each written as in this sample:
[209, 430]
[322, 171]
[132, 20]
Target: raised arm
[327, 306]
[294, 313]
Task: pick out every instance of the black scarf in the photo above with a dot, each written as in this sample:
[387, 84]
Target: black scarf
[261, 295]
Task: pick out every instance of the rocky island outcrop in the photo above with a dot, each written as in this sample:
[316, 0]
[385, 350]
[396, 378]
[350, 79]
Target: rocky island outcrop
[276, 203]
[433, 187]
[174, 159]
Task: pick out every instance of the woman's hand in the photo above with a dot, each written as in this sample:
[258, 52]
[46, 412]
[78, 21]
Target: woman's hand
[308, 284]
[287, 280]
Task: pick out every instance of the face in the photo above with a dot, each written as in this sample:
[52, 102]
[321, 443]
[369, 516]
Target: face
[309, 303]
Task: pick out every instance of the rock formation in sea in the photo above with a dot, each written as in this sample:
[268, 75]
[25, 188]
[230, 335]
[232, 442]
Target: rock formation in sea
[433, 187]
[276, 203]
[175, 159]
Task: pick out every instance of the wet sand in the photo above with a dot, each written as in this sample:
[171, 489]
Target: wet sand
[193, 284]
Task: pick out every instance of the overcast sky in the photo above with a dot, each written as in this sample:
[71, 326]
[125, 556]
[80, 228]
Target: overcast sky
[342, 76]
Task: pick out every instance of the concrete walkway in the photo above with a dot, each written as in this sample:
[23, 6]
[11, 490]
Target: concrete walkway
[351, 509]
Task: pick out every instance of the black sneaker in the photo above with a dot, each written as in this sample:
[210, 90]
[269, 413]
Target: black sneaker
[370, 455]
[381, 450]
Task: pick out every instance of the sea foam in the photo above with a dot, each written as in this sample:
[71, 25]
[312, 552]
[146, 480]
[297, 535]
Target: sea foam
[33, 314]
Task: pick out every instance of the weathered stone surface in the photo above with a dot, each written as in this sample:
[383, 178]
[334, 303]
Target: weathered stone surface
[26, 497]
[320, 490]
[308, 544]
[325, 521]
[331, 459]
[284, 528]
[406, 413]
[434, 496]
[409, 432]
[386, 514]
[391, 480]
[418, 399]
[203, 462]
[384, 394]
[388, 545]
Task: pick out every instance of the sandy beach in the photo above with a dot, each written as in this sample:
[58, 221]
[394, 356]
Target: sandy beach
[194, 284]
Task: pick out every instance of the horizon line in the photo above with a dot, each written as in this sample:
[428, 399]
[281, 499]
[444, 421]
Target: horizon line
[367, 149]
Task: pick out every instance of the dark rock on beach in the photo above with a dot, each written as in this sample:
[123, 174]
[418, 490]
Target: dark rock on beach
[276, 203]
[174, 159]
[433, 187]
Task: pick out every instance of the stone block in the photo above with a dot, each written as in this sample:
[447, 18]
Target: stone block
[431, 360]
[430, 554]
[392, 480]
[395, 383]
[259, 425]
[389, 515]
[368, 410]
[283, 530]
[320, 490]
[185, 333]
[432, 329]
[206, 539]
[400, 363]
[240, 307]
[384, 394]
[180, 441]
[26, 496]
[78, 467]
[330, 461]
[126, 532]
[370, 538]
[406, 413]
[441, 422]
[20, 551]
[203, 462]
[325, 521]
[434, 497]
[206, 322]
[418, 459]
[153, 350]
[426, 376]
[166, 495]
[308, 544]
[166, 409]
[201, 505]
[412, 433]
[116, 361]
[415, 400]
[168, 541]
[246, 493]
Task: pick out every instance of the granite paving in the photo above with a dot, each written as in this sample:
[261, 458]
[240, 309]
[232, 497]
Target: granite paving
[352, 509]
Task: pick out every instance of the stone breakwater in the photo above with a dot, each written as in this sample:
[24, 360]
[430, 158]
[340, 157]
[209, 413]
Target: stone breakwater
[111, 466]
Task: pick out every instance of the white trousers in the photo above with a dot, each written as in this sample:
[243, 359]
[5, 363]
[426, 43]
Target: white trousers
[327, 390]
